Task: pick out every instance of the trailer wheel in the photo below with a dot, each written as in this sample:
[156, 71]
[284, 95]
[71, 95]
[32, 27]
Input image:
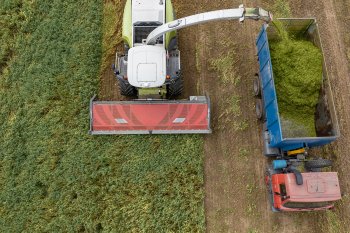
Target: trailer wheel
[259, 109]
[126, 89]
[318, 163]
[175, 88]
[256, 86]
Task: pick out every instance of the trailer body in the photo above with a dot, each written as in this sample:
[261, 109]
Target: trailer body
[326, 123]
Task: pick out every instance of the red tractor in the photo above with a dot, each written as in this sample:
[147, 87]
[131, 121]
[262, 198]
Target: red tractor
[291, 190]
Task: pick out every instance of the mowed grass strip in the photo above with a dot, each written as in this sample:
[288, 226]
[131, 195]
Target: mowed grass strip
[54, 177]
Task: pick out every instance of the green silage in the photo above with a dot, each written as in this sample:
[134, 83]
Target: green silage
[297, 69]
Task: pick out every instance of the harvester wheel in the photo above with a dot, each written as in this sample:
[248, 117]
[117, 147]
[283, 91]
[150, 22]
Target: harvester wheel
[256, 86]
[175, 88]
[126, 89]
[318, 163]
[259, 109]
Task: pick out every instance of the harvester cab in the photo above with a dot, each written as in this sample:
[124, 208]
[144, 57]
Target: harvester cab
[149, 73]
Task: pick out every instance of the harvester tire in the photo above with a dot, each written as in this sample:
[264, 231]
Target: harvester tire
[175, 88]
[256, 86]
[318, 163]
[126, 89]
[259, 109]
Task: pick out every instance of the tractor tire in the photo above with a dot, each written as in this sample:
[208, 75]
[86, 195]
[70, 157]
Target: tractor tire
[259, 109]
[175, 88]
[256, 86]
[126, 89]
[318, 163]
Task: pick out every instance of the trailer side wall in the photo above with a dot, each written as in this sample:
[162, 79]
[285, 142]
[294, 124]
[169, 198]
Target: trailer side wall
[326, 120]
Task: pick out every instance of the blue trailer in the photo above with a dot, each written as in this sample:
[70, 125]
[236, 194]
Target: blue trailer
[275, 133]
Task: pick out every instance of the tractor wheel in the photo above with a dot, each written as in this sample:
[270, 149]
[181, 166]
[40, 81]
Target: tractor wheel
[259, 109]
[126, 89]
[256, 86]
[318, 163]
[175, 88]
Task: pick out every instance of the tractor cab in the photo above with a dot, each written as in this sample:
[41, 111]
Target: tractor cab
[318, 191]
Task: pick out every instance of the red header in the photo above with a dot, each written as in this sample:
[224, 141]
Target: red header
[149, 116]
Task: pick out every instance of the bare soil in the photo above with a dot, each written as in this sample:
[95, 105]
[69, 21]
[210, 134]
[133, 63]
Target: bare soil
[109, 89]
[235, 193]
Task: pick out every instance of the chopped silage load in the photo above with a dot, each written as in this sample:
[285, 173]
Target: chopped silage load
[297, 69]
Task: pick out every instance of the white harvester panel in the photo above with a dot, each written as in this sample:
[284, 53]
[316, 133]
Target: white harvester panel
[148, 11]
[147, 66]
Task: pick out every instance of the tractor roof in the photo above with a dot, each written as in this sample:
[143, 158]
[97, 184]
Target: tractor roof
[316, 187]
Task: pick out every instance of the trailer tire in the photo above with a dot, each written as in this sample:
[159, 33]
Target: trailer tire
[126, 89]
[318, 163]
[257, 86]
[259, 109]
[175, 88]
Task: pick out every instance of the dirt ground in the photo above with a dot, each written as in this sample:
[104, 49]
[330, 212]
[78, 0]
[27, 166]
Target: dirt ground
[236, 199]
[235, 194]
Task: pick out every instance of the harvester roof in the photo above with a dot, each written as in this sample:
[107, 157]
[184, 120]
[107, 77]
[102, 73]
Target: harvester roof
[147, 66]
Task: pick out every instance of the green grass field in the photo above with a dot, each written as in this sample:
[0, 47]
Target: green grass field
[54, 177]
